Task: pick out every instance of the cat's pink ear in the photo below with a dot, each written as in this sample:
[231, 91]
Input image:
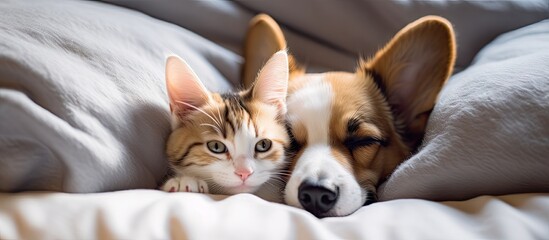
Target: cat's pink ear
[271, 85]
[185, 90]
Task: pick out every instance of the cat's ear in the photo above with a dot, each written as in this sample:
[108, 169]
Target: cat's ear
[185, 90]
[271, 85]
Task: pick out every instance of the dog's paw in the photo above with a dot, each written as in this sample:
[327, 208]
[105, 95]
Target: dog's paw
[185, 184]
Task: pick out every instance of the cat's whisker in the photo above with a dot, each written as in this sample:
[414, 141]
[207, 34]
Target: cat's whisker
[284, 176]
[202, 111]
[278, 179]
[268, 182]
[220, 119]
[263, 173]
[275, 173]
[274, 189]
[214, 187]
[212, 126]
[219, 115]
[283, 173]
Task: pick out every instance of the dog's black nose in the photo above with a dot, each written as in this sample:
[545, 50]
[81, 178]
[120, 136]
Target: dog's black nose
[316, 199]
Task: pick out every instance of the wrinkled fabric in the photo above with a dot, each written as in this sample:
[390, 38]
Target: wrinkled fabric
[149, 214]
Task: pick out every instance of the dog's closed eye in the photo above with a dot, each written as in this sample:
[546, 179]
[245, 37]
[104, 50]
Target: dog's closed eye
[361, 134]
[353, 142]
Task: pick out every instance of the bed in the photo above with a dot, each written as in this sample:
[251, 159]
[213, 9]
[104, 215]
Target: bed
[84, 117]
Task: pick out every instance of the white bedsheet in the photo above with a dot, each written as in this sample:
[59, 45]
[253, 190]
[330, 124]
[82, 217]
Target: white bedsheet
[150, 214]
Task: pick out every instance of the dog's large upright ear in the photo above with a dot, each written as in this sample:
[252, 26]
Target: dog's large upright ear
[264, 38]
[411, 70]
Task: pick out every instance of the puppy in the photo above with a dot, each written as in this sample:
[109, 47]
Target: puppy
[352, 129]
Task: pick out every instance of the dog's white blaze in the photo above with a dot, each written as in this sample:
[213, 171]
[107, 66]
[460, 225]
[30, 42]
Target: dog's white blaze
[311, 106]
[315, 160]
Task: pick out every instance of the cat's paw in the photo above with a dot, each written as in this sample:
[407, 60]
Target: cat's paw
[172, 185]
[185, 184]
[192, 184]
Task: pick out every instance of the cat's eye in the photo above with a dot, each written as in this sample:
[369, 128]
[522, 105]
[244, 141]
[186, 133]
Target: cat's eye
[263, 145]
[216, 146]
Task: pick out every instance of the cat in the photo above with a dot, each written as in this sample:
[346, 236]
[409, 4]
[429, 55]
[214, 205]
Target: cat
[227, 143]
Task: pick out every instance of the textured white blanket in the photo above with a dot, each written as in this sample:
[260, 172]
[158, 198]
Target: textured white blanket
[149, 214]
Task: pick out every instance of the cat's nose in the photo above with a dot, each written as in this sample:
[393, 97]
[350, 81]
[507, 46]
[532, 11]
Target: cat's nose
[243, 173]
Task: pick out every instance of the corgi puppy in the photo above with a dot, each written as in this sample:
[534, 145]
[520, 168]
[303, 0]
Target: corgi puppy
[352, 129]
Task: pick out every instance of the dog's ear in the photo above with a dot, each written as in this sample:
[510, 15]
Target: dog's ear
[411, 70]
[264, 38]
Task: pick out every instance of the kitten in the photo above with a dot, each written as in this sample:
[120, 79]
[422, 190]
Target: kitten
[227, 143]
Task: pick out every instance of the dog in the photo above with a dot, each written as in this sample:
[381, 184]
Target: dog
[352, 129]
